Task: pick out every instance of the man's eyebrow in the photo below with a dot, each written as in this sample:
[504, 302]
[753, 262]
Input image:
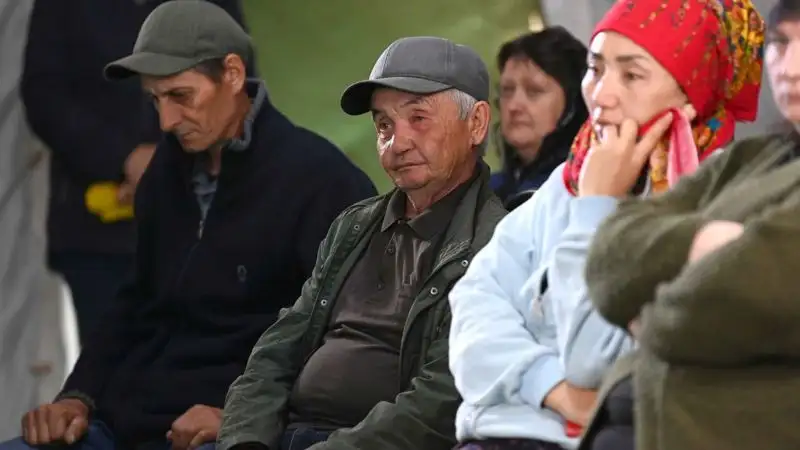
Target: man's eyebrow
[172, 91]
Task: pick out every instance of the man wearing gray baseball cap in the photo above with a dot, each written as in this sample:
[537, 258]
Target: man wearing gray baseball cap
[360, 360]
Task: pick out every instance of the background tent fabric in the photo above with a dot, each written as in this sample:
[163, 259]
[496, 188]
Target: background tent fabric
[309, 50]
[26, 307]
[579, 16]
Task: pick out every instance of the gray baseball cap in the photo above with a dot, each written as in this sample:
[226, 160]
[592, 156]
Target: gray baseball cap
[420, 65]
[177, 36]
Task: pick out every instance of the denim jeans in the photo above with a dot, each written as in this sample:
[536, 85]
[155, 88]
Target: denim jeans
[300, 438]
[294, 438]
[98, 437]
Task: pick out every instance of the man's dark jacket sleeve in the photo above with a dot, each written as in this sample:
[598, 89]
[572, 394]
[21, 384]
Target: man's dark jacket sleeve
[110, 342]
[86, 140]
[421, 417]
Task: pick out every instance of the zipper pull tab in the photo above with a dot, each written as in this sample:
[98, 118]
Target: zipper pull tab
[200, 228]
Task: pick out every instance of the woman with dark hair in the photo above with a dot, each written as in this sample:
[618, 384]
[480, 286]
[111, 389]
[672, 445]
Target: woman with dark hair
[541, 109]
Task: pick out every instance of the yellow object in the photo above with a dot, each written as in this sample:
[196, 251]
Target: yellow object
[102, 200]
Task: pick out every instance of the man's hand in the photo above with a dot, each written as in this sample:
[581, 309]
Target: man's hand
[573, 404]
[63, 421]
[712, 236]
[135, 165]
[137, 162]
[197, 426]
[126, 193]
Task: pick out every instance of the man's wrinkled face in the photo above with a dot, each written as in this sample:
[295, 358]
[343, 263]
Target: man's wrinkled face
[193, 107]
[625, 82]
[782, 58]
[421, 139]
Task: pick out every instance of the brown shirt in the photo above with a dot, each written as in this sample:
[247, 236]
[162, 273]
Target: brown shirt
[357, 365]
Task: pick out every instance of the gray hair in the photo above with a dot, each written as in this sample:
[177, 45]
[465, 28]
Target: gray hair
[465, 103]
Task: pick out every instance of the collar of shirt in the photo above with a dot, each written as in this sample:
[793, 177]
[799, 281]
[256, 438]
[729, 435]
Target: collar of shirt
[433, 220]
[257, 91]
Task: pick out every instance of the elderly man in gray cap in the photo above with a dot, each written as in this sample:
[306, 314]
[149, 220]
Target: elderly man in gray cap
[360, 360]
[221, 246]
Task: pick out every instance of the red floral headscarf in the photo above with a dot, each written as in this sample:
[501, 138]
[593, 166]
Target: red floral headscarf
[713, 49]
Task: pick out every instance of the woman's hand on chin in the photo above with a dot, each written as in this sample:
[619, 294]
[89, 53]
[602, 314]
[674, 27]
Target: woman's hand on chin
[614, 164]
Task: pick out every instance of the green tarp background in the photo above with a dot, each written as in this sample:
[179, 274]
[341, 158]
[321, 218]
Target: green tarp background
[309, 50]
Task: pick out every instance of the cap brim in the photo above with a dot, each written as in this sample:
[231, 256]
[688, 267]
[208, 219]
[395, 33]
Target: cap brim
[144, 63]
[357, 98]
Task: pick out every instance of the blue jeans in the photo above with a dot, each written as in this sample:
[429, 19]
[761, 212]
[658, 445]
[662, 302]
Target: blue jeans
[98, 437]
[300, 438]
[295, 438]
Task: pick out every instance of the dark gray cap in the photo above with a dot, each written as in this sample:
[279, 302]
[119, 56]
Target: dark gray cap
[420, 65]
[178, 35]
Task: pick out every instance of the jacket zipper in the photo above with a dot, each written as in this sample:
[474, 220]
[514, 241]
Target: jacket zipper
[200, 228]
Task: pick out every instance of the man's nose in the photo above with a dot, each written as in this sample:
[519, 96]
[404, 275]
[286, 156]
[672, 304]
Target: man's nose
[401, 140]
[169, 117]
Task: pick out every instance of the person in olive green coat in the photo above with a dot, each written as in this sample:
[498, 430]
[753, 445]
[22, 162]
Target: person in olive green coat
[360, 360]
[708, 276]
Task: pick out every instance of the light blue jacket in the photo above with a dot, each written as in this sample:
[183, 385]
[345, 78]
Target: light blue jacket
[522, 322]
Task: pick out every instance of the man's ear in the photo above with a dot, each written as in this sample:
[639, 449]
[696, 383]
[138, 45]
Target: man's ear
[479, 122]
[235, 72]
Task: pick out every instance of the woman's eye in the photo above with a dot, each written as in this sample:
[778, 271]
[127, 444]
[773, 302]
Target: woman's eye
[631, 76]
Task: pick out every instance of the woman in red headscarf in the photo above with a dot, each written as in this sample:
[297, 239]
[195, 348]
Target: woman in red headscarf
[706, 277]
[667, 80]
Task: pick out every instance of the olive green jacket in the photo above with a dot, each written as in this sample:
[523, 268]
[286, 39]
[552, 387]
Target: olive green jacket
[719, 360]
[422, 416]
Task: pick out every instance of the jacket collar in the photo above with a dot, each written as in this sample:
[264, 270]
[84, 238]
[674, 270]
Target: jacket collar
[257, 91]
[473, 222]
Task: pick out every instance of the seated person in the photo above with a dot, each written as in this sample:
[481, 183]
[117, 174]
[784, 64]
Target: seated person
[717, 301]
[541, 109]
[230, 213]
[360, 360]
[527, 349]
